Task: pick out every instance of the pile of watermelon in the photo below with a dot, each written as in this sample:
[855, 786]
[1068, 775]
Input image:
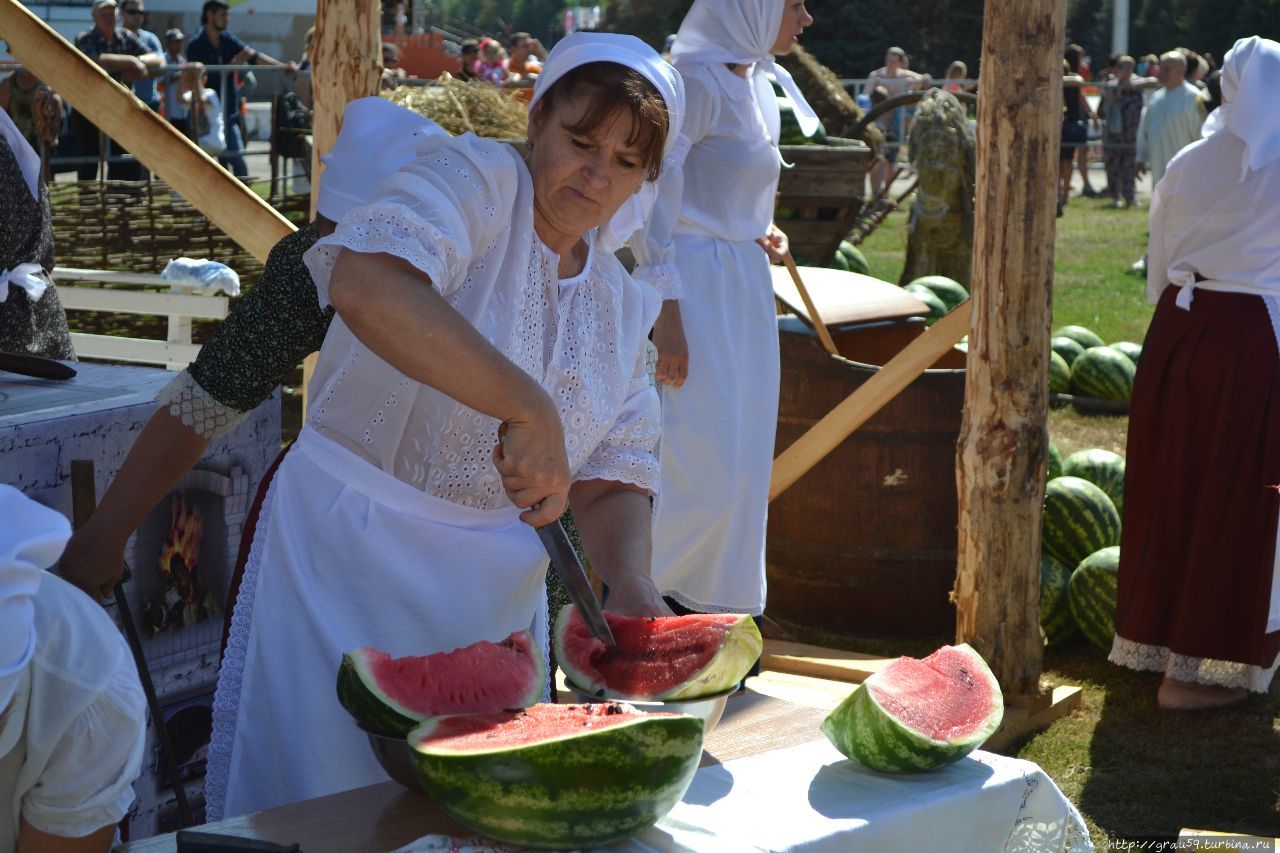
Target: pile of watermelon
[940, 293]
[1080, 364]
[1080, 559]
[850, 259]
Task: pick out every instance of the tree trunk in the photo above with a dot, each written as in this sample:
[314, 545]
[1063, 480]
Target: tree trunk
[1003, 442]
[214, 191]
[346, 63]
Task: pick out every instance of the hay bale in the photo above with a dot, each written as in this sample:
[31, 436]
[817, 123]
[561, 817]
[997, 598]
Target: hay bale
[459, 107]
[822, 88]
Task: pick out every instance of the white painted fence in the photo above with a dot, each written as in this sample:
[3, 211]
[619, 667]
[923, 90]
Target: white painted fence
[181, 305]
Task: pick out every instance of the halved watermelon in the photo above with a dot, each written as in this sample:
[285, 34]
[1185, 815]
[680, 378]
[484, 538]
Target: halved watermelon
[917, 715]
[389, 696]
[566, 776]
[658, 657]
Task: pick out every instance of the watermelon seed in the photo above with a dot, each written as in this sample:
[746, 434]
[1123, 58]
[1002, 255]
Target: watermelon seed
[968, 679]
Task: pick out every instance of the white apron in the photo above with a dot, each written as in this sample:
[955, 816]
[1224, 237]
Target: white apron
[716, 449]
[345, 555]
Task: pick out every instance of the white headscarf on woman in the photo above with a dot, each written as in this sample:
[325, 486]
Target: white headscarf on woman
[581, 49]
[742, 32]
[1250, 76]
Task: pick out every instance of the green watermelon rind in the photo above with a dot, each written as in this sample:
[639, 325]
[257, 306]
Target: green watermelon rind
[1130, 349]
[1084, 337]
[1059, 374]
[579, 790]
[1092, 595]
[1055, 610]
[1068, 348]
[1104, 374]
[740, 649]
[1079, 519]
[379, 714]
[1055, 462]
[854, 258]
[949, 291]
[1103, 468]
[937, 308]
[861, 729]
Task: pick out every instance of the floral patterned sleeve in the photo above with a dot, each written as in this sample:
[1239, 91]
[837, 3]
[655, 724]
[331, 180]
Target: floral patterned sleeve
[268, 332]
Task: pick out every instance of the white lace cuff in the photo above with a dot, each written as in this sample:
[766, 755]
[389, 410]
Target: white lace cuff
[620, 465]
[197, 408]
[1222, 673]
[664, 278]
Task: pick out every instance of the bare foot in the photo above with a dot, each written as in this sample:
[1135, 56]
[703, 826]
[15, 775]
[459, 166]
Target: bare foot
[1175, 695]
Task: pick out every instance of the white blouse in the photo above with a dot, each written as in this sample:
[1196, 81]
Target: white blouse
[719, 180]
[462, 213]
[1205, 220]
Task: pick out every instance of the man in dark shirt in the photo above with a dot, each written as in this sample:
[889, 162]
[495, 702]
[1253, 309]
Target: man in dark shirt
[215, 45]
[125, 59]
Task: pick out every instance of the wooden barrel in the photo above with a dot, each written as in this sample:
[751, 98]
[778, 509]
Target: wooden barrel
[864, 545]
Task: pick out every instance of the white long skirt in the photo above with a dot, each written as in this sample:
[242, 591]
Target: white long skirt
[716, 450]
[346, 556]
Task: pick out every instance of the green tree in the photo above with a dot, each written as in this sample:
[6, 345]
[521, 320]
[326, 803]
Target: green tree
[539, 17]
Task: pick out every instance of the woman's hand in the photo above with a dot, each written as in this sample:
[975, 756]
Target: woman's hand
[635, 595]
[93, 560]
[531, 458]
[775, 244]
[673, 349]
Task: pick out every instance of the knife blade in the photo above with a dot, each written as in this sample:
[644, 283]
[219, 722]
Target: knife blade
[35, 365]
[567, 565]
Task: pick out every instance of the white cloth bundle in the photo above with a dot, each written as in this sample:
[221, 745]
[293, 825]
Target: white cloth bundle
[202, 275]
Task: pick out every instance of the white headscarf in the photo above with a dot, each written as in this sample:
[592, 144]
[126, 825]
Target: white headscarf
[376, 139]
[1250, 78]
[28, 159]
[581, 49]
[742, 32]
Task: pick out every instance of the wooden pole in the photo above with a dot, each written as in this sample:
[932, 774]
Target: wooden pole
[346, 63]
[215, 192]
[1003, 443]
[824, 334]
[858, 407]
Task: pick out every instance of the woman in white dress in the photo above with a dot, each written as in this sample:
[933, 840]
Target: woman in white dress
[707, 248]
[473, 290]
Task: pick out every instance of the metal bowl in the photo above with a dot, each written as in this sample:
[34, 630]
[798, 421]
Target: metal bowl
[396, 758]
[709, 709]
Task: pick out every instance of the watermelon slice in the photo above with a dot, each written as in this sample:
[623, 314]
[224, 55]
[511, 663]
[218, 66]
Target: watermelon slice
[389, 696]
[564, 776]
[671, 658]
[917, 715]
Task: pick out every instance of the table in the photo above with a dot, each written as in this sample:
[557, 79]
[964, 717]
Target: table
[758, 726]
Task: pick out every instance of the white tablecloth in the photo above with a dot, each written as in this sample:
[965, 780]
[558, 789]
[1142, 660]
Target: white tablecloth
[811, 798]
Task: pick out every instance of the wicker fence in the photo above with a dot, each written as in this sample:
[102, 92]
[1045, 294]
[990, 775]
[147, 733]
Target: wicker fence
[139, 226]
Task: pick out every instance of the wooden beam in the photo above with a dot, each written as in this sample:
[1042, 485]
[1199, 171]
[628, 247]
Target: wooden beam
[179, 162]
[871, 396]
[346, 63]
[1003, 440]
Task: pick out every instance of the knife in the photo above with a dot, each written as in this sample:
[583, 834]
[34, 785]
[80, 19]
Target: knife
[567, 565]
[35, 365]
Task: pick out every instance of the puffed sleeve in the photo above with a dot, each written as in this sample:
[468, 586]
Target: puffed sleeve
[88, 781]
[437, 212]
[653, 245]
[629, 451]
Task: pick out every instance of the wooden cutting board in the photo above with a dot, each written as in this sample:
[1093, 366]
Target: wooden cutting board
[843, 298]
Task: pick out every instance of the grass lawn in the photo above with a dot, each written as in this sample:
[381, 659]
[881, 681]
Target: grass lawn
[1134, 771]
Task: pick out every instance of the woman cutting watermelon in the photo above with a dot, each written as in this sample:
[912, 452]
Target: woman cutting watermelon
[473, 291]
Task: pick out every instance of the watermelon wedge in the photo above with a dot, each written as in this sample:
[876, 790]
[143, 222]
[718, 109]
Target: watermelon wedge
[661, 657]
[389, 696]
[564, 776]
[917, 715]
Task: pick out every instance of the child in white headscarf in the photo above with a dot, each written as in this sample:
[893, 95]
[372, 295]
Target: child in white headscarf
[708, 247]
[1199, 597]
[72, 712]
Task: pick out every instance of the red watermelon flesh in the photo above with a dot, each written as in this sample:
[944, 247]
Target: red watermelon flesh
[941, 697]
[476, 678]
[662, 657]
[535, 724]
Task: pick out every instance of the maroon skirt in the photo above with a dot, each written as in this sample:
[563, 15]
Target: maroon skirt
[1198, 546]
